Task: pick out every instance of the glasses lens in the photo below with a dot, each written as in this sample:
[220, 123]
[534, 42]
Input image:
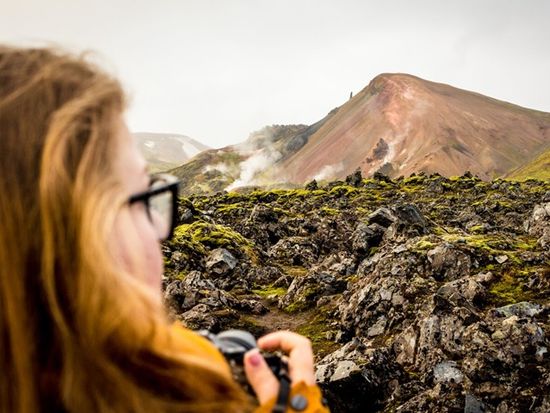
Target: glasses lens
[160, 208]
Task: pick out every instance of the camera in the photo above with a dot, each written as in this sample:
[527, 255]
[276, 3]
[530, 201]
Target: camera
[233, 344]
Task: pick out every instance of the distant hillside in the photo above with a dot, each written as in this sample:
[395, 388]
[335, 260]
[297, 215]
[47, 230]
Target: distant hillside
[398, 125]
[165, 151]
[401, 124]
[210, 171]
[245, 164]
[539, 168]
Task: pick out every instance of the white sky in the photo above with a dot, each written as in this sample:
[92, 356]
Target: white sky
[216, 70]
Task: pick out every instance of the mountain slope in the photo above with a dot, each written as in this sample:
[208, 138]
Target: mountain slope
[402, 124]
[164, 151]
[248, 163]
[539, 168]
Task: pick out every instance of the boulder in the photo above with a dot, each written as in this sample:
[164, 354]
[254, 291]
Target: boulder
[195, 288]
[538, 224]
[220, 262]
[383, 217]
[356, 378]
[448, 263]
[298, 251]
[305, 291]
[367, 236]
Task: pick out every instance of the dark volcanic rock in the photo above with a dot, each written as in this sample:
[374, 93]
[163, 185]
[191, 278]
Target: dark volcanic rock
[305, 291]
[220, 262]
[538, 224]
[295, 251]
[366, 237]
[355, 179]
[382, 216]
[182, 295]
[357, 379]
[448, 263]
[421, 294]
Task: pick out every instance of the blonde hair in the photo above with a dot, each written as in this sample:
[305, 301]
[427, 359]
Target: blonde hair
[77, 333]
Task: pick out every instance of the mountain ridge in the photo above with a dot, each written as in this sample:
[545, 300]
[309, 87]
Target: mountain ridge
[164, 151]
[395, 111]
[399, 124]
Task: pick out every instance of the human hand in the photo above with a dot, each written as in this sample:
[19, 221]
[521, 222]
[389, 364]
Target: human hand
[300, 363]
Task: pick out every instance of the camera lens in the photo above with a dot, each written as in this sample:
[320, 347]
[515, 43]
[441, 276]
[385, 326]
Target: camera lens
[232, 343]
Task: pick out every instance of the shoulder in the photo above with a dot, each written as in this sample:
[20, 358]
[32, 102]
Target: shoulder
[197, 345]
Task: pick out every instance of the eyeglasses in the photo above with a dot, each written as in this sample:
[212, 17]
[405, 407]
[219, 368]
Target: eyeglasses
[161, 203]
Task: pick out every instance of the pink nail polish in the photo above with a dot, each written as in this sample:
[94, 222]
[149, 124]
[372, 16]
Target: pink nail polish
[255, 359]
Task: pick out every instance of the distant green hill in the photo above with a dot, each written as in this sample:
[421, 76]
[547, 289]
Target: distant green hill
[539, 168]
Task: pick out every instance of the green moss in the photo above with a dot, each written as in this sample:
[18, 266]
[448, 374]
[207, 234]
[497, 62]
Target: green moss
[477, 229]
[270, 291]
[504, 205]
[353, 278]
[294, 271]
[538, 169]
[307, 300]
[282, 211]
[364, 199]
[329, 211]
[285, 196]
[412, 189]
[493, 244]
[415, 179]
[423, 245]
[316, 330]
[344, 190]
[361, 211]
[296, 307]
[232, 207]
[250, 324]
[183, 240]
[525, 243]
[180, 276]
[373, 250]
[200, 234]
[509, 289]
[441, 231]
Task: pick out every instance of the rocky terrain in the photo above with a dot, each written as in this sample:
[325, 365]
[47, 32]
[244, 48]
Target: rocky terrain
[420, 294]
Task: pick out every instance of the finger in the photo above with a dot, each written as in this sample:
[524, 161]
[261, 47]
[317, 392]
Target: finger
[259, 375]
[300, 354]
[283, 340]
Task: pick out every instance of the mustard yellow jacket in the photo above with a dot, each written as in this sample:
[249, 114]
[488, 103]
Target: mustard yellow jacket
[312, 394]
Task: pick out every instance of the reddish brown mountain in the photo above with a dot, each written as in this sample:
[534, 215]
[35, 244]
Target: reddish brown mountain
[401, 124]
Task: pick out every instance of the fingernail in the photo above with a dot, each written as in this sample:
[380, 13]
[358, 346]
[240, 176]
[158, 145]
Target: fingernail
[255, 359]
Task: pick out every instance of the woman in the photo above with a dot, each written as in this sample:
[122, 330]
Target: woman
[82, 327]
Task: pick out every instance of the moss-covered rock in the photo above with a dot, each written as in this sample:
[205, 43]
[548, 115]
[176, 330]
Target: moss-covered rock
[422, 294]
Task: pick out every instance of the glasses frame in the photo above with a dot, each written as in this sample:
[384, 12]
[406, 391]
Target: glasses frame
[171, 185]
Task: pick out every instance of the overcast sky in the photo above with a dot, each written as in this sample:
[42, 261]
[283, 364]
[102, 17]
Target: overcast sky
[217, 70]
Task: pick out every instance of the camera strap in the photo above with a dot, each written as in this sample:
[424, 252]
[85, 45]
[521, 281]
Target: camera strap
[284, 394]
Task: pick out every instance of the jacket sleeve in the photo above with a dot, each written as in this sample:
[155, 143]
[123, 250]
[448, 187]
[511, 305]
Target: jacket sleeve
[303, 398]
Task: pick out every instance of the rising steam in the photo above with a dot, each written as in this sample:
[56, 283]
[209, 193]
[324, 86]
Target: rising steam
[258, 162]
[329, 171]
